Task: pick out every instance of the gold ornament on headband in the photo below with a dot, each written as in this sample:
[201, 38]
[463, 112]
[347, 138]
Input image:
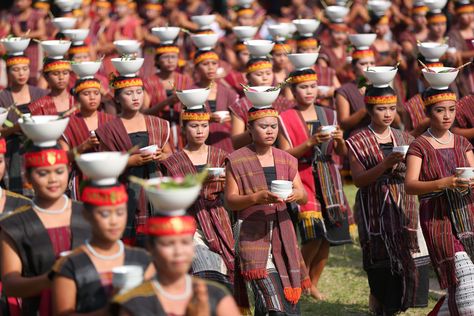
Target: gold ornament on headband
[304, 78]
[385, 99]
[264, 64]
[204, 56]
[252, 116]
[167, 50]
[195, 116]
[448, 96]
[57, 66]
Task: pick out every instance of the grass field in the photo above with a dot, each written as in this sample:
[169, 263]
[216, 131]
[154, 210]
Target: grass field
[344, 283]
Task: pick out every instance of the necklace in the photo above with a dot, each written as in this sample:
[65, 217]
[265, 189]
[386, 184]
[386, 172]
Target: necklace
[440, 141]
[381, 137]
[60, 211]
[104, 257]
[175, 297]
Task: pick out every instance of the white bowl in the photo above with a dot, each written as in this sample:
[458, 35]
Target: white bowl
[259, 48]
[328, 129]
[127, 47]
[245, 33]
[127, 67]
[323, 89]
[303, 60]
[438, 80]
[362, 41]
[166, 34]
[203, 21]
[64, 23]
[65, 5]
[283, 194]
[215, 172]
[44, 130]
[432, 51]
[403, 149]
[103, 168]
[3, 115]
[244, 3]
[282, 184]
[279, 31]
[204, 41]
[173, 202]
[261, 98]
[223, 115]
[86, 69]
[436, 6]
[76, 35]
[465, 172]
[379, 7]
[127, 277]
[55, 48]
[193, 98]
[149, 149]
[306, 27]
[15, 45]
[341, 2]
[380, 76]
[336, 13]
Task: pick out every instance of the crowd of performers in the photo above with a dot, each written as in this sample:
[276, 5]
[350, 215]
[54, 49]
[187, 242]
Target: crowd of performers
[241, 248]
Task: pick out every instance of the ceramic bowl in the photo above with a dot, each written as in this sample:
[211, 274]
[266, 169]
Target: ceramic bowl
[244, 3]
[223, 115]
[379, 7]
[259, 48]
[362, 41]
[380, 76]
[432, 51]
[203, 21]
[127, 47]
[245, 33]
[65, 5]
[166, 34]
[86, 69]
[282, 184]
[438, 80]
[64, 23]
[193, 98]
[278, 31]
[435, 6]
[127, 67]
[127, 277]
[403, 149]
[336, 13]
[204, 41]
[260, 98]
[43, 130]
[3, 115]
[103, 168]
[303, 60]
[306, 27]
[465, 172]
[76, 35]
[56, 48]
[15, 45]
[323, 89]
[215, 172]
[149, 149]
[328, 129]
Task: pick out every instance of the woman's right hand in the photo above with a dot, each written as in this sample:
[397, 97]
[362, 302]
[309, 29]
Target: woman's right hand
[90, 143]
[392, 159]
[266, 197]
[319, 138]
[140, 159]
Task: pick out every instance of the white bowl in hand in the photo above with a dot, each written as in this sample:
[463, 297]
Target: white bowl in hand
[216, 171]
[151, 150]
[127, 277]
[328, 129]
[465, 172]
[403, 149]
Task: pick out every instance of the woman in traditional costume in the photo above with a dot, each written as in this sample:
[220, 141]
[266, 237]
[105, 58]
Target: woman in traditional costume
[82, 280]
[174, 291]
[131, 129]
[446, 201]
[214, 240]
[267, 250]
[387, 215]
[323, 220]
[464, 124]
[33, 237]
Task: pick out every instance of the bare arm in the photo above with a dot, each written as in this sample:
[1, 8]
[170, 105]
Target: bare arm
[227, 307]
[466, 132]
[346, 120]
[240, 137]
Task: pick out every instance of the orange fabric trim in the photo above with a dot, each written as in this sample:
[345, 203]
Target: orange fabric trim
[439, 18]
[41, 5]
[304, 78]
[126, 83]
[245, 11]
[465, 9]
[3, 146]
[240, 47]
[307, 43]
[259, 66]
[208, 55]
[292, 294]
[78, 50]
[281, 47]
[17, 60]
[386, 99]
[57, 66]
[448, 96]
[45, 158]
[153, 6]
[420, 10]
[195, 116]
[103, 4]
[383, 20]
[359, 54]
[252, 116]
[167, 50]
[104, 196]
[88, 84]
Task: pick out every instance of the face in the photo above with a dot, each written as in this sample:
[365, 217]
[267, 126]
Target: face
[107, 222]
[309, 49]
[197, 132]
[81, 57]
[131, 98]
[339, 38]
[151, 14]
[173, 255]
[121, 10]
[58, 79]
[90, 99]
[2, 166]
[381, 29]
[19, 74]
[264, 131]
[208, 68]
[466, 18]
[305, 93]
[280, 59]
[49, 183]
[243, 57]
[22, 4]
[245, 20]
[419, 20]
[442, 115]
[438, 29]
[168, 62]
[362, 65]
[383, 114]
[103, 12]
[262, 77]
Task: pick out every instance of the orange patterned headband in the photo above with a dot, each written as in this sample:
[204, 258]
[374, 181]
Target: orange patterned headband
[259, 66]
[438, 18]
[170, 226]
[432, 65]
[386, 99]
[79, 50]
[195, 116]
[167, 50]
[359, 54]
[57, 66]
[42, 5]
[209, 55]
[448, 96]
[304, 78]
[240, 47]
[87, 84]
[103, 4]
[338, 27]
[245, 12]
[383, 20]
[127, 83]
[270, 112]
[307, 43]
[17, 60]
[420, 10]
[46, 158]
[465, 9]
[153, 6]
[104, 196]
[281, 47]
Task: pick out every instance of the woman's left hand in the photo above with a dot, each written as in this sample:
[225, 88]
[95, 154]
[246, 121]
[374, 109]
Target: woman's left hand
[295, 196]
[199, 304]
[338, 135]
[159, 155]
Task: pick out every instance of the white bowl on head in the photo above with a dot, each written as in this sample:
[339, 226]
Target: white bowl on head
[380, 76]
[15, 45]
[127, 47]
[151, 150]
[76, 35]
[260, 98]
[465, 172]
[336, 13]
[127, 277]
[215, 172]
[103, 168]
[291, 28]
[440, 81]
[193, 98]
[306, 27]
[244, 33]
[56, 48]
[166, 34]
[279, 31]
[86, 69]
[362, 41]
[65, 5]
[323, 89]
[341, 2]
[259, 48]
[436, 6]
[432, 51]
[303, 60]
[3, 115]
[244, 3]
[204, 41]
[174, 201]
[403, 149]
[127, 67]
[203, 21]
[379, 7]
[64, 23]
[43, 130]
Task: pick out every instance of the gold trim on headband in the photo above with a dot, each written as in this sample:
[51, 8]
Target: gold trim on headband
[259, 66]
[88, 84]
[439, 18]
[57, 66]
[195, 116]
[307, 43]
[204, 56]
[448, 96]
[17, 60]
[385, 99]
[359, 54]
[167, 50]
[252, 116]
[304, 78]
[245, 11]
[126, 83]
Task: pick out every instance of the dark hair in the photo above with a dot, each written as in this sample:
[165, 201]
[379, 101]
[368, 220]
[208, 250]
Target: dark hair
[375, 19]
[372, 91]
[432, 92]
[301, 72]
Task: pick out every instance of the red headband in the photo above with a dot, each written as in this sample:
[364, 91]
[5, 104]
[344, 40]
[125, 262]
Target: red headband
[3, 146]
[170, 226]
[46, 158]
[104, 196]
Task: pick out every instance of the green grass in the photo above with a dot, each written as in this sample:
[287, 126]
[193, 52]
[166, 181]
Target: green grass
[344, 283]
